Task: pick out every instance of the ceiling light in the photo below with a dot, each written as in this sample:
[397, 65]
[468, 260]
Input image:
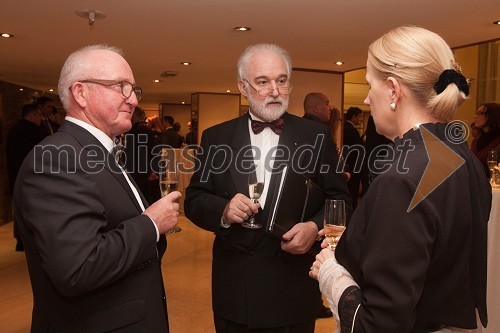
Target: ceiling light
[228, 90]
[91, 15]
[169, 74]
[242, 28]
[6, 35]
[51, 90]
[156, 81]
[339, 63]
[496, 22]
[21, 89]
[185, 63]
[183, 103]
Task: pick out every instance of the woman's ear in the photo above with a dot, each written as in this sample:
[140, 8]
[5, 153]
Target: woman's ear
[395, 89]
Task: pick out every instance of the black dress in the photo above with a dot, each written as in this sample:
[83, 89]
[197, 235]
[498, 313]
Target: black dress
[425, 267]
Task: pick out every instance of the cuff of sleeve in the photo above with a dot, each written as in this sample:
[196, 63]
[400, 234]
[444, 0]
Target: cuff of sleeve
[223, 224]
[156, 228]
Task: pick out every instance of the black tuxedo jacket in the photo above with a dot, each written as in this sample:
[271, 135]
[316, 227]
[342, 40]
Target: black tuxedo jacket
[255, 282]
[92, 257]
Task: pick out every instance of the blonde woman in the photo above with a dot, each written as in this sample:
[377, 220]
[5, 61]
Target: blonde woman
[405, 266]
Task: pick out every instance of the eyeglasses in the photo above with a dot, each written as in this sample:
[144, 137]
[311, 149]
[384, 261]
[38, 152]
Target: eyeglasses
[284, 87]
[126, 87]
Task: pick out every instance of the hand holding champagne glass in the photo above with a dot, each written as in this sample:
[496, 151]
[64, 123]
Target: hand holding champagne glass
[334, 221]
[168, 178]
[255, 188]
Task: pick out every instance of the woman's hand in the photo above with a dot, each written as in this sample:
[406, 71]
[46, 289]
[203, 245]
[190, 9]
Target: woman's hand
[321, 257]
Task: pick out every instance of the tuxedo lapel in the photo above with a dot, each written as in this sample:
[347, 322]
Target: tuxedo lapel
[241, 142]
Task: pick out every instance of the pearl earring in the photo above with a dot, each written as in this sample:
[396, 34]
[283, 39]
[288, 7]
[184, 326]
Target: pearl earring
[393, 106]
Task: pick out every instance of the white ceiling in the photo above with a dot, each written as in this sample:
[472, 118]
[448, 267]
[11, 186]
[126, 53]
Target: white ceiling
[156, 35]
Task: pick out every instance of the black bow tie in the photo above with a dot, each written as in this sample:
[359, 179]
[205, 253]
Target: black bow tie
[276, 126]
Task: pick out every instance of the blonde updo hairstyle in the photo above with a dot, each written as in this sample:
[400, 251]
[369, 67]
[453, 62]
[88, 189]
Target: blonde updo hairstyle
[416, 57]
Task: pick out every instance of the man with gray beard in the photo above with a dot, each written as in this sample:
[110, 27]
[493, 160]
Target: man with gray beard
[260, 282]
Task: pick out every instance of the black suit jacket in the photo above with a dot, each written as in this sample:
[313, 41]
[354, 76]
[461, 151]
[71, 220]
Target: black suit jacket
[254, 281]
[45, 131]
[353, 158]
[21, 138]
[92, 256]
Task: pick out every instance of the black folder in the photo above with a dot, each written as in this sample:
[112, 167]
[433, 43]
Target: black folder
[296, 199]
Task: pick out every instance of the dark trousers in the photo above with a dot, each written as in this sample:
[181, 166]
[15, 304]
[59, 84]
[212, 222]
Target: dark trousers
[226, 326]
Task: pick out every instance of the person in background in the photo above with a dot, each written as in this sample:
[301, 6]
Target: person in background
[169, 136]
[260, 281]
[352, 151]
[403, 265]
[474, 131]
[46, 106]
[317, 108]
[177, 127]
[139, 146]
[487, 121]
[21, 138]
[192, 134]
[374, 144]
[92, 243]
[155, 125]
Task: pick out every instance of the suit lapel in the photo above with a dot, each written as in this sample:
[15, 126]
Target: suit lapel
[99, 153]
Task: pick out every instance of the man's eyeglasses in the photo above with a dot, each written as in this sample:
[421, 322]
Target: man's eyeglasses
[284, 87]
[126, 87]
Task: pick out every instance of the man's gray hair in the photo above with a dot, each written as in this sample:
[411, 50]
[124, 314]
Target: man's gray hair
[252, 49]
[77, 68]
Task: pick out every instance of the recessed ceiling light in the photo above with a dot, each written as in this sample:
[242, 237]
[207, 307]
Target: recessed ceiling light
[228, 90]
[339, 63]
[51, 90]
[6, 35]
[183, 103]
[156, 81]
[242, 28]
[496, 22]
[21, 89]
[186, 63]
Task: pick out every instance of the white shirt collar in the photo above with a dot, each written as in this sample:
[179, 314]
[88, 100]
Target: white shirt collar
[97, 133]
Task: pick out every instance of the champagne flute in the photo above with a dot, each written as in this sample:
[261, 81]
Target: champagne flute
[334, 221]
[255, 188]
[169, 180]
[492, 162]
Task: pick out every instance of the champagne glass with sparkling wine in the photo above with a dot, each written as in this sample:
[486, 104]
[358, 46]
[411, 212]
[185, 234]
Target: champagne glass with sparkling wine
[169, 179]
[255, 188]
[492, 162]
[334, 221]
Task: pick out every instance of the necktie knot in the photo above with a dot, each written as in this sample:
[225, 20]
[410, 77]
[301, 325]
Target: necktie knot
[118, 152]
[276, 126]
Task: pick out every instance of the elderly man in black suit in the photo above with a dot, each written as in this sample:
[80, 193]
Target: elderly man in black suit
[93, 245]
[260, 282]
